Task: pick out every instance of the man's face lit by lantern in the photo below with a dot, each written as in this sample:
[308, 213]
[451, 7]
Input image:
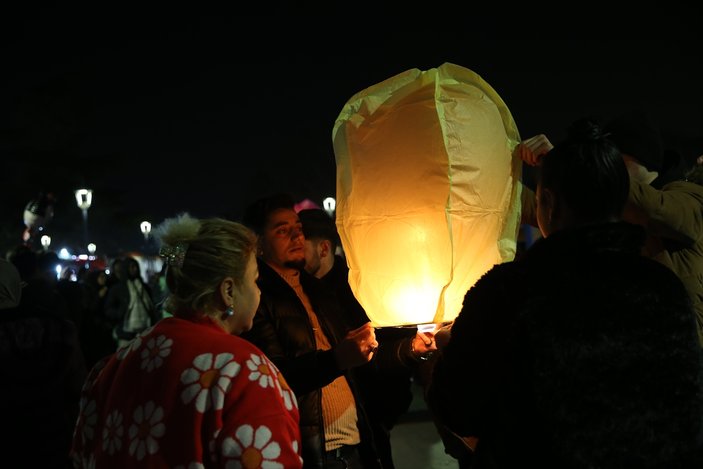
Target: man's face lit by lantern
[282, 241]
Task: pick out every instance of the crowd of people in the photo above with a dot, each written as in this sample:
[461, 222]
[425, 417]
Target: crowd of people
[586, 351]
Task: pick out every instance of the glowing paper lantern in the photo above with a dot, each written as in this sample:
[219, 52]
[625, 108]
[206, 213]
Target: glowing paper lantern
[428, 197]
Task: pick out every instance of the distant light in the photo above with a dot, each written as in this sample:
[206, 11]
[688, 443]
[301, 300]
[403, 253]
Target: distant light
[64, 254]
[91, 248]
[329, 204]
[58, 270]
[84, 198]
[145, 226]
[46, 241]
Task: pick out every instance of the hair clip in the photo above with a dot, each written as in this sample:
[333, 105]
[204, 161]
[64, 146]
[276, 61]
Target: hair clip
[174, 255]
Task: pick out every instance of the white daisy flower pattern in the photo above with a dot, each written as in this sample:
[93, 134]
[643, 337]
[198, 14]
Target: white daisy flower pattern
[145, 430]
[208, 380]
[251, 448]
[87, 420]
[112, 433]
[294, 444]
[260, 371]
[133, 345]
[145, 332]
[212, 444]
[263, 370]
[157, 348]
[124, 350]
[88, 461]
[289, 399]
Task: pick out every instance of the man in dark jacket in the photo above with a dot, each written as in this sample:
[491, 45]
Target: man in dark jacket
[583, 353]
[301, 328]
[385, 383]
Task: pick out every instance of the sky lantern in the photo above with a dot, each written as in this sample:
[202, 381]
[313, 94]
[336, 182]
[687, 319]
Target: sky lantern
[428, 193]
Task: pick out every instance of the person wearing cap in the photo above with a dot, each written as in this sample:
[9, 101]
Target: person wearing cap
[386, 381]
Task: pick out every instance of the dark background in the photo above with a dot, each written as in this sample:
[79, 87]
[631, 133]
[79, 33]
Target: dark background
[161, 112]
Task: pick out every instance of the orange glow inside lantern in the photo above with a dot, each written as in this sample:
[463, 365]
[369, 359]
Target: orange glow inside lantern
[428, 193]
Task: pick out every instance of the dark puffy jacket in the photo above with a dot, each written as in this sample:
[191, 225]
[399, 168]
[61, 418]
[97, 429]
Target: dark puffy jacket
[582, 354]
[283, 331]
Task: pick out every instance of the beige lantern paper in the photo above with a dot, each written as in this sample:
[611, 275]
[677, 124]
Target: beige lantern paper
[428, 193]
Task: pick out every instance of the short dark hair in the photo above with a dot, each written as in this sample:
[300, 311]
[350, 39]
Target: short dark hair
[257, 213]
[318, 224]
[587, 172]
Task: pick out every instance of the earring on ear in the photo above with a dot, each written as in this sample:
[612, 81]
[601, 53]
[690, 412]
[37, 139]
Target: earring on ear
[229, 312]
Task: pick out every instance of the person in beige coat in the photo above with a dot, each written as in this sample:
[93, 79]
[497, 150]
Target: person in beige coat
[672, 215]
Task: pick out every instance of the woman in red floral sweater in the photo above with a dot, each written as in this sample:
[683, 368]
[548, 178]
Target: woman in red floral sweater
[188, 392]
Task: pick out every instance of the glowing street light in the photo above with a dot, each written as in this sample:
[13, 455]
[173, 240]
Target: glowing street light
[145, 227]
[46, 242]
[84, 199]
[329, 204]
[91, 254]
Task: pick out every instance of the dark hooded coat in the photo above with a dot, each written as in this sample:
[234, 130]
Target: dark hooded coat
[582, 354]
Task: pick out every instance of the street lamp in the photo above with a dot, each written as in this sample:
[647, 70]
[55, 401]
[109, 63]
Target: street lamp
[91, 254]
[145, 226]
[84, 199]
[46, 242]
[329, 204]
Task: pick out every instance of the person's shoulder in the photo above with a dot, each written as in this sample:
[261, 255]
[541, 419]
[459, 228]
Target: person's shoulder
[339, 273]
[648, 271]
[689, 187]
[498, 275]
[496, 290]
[197, 338]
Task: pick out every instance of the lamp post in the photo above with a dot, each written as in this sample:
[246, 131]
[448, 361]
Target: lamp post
[145, 228]
[329, 204]
[84, 199]
[91, 254]
[46, 242]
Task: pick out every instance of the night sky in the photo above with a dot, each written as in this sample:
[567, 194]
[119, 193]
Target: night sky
[204, 112]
